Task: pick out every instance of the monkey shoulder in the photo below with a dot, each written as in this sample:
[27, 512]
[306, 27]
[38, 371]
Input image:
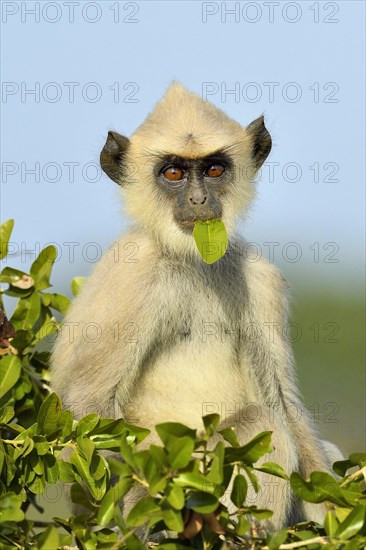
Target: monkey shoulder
[122, 277]
[268, 290]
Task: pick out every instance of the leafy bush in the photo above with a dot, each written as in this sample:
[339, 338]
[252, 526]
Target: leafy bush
[186, 484]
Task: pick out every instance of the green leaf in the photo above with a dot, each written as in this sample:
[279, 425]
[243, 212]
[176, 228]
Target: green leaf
[159, 455]
[175, 496]
[5, 232]
[173, 519]
[341, 513]
[10, 507]
[119, 468]
[6, 414]
[180, 452]
[41, 444]
[141, 459]
[111, 499]
[106, 426]
[36, 463]
[277, 539]
[239, 491]
[85, 449]
[22, 340]
[230, 436]
[49, 415]
[211, 239]
[253, 478]
[169, 545]
[49, 539]
[18, 279]
[97, 488]
[79, 496]
[46, 326]
[67, 474]
[353, 524]
[341, 466]
[27, 447]
[194, 480]
[126, 453]
[202, 502]
[10, 370]
[41, 268]
[138, 433]
[330, 523]
[321, 487]
[76, 284]
[99, 467]
[65, 421]
[65, 524]
[27, 312]
[87, 424]
[260, 514]
[37, 485]
[52, 470]
[273, 469]
[216, 471]
[157, 483]
[169, 431]
[252, 451]
[56, 301]
[356, 459]
[242, 526]
[106, 538]
[210, 422]
[142, 511]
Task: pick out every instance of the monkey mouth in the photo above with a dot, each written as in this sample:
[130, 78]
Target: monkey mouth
[188, 224]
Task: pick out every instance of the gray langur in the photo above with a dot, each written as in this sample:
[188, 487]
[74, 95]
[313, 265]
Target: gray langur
[175, 335]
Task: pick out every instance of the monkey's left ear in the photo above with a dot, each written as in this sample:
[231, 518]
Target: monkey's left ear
[261, 141]
[111, 157]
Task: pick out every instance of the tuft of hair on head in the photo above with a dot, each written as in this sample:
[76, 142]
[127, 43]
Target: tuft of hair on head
[190, 125]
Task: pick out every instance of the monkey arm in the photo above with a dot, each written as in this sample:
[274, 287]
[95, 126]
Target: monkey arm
[108, 331]
[273, 363]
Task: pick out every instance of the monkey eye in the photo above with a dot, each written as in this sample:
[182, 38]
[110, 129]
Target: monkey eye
[215, 170]
[173, 173]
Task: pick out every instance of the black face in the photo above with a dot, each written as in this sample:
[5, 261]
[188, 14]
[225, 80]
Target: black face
[194, 186]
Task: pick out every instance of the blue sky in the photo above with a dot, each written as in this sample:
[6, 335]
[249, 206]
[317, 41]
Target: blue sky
[97, 66]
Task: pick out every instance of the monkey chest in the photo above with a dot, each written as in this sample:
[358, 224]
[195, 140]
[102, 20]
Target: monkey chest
[202, 312]
[197, 366]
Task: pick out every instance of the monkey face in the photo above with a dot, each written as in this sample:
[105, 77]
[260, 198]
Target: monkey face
[187, 162]
[194, 186]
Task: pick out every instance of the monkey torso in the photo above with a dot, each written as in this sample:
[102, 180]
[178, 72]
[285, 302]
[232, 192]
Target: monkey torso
[181, 333]
[160, 339]
[199, 368]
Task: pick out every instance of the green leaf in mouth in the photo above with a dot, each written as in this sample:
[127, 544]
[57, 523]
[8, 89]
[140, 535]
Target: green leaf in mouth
[211, 239]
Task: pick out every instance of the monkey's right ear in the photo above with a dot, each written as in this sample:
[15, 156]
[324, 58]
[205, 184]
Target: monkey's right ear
[111, 157]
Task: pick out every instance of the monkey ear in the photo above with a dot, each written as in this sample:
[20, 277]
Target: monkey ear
[112, 154]
[261, 141]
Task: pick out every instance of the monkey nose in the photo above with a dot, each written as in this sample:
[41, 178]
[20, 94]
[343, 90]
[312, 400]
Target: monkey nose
[198, 200]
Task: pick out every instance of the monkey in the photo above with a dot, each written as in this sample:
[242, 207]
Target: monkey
[175, 336]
